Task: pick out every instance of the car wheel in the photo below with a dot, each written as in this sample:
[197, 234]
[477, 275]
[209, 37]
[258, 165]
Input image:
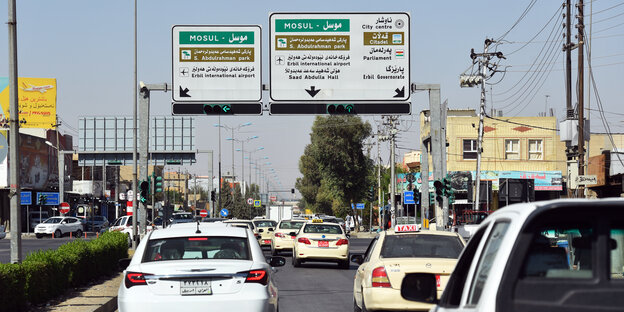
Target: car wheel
[363, 304]
[58, 234]
[344, 265]
[39, 235]
[79, 233]
[355, 307]
[296, 262]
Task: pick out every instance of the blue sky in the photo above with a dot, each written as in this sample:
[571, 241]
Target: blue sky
[88, 47]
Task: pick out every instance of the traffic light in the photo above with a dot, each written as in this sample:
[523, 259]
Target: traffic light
[371, 194]
[42, 199]
[213, 196]
[292, 191]
[217, 109]
[158, 184]
[340, 109]
[439, 190]
[144, 191]
[431, 199]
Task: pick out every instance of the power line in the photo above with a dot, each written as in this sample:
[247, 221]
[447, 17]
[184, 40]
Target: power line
[521, 124]
[522, 16]
[538, 33]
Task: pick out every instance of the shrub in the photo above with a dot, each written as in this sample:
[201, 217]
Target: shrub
[47, 274]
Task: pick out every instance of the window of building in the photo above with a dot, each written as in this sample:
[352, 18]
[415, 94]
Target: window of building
[536, 150]
[470, 149]
[512, 149]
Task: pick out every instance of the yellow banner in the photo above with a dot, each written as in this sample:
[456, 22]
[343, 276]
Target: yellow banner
[37, 101]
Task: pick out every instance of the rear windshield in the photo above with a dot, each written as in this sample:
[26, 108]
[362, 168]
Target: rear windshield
[421, 246]
[188, 248]
[265, 223]
[183, 216]
[291, 225]
[322, 228]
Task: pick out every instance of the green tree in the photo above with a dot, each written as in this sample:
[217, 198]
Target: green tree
[226, 197]
[334, 168]
[239, 209]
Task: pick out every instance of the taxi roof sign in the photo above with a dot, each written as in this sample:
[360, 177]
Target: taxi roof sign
[407, 228]
[317, 220]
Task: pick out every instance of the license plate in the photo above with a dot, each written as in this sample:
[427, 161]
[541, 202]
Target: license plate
[267, 241]
[195, 287]
[323, 243]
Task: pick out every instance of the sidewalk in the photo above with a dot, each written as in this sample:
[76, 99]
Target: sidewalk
[99, 297]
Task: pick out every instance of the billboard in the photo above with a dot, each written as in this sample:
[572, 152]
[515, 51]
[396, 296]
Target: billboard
[544, 180]
[37, 101]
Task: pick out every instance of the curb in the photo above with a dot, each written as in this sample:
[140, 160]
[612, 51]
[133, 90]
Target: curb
[109, 306]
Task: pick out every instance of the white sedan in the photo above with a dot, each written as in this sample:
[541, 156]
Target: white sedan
[194, 267]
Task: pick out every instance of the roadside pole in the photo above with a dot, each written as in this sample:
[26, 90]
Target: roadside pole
[14, 193]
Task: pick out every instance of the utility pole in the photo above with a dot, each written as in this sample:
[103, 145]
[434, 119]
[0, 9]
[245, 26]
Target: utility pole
[470, 81]
[379, 197]
[392, 122]
[581, 95]
[14, 194]
[136, 146]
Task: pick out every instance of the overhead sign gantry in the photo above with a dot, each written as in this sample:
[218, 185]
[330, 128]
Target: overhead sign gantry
[339, 63]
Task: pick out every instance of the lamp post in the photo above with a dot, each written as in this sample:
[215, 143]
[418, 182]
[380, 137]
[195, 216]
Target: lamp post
[251, 152]
[242, 149]
[232, 139]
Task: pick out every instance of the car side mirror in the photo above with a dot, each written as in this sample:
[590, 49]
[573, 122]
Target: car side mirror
[357, 258]
[420, 287]
[292, 233]
[271, 230]
[124, 263]
[276, 261]
[260, 230]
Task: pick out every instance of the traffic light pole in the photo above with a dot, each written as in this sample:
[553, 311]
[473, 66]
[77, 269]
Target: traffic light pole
[144, 106]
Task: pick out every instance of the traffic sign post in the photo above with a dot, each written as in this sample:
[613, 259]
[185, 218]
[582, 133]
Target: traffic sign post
[224, 213]
[64, 207]
[257, 203]
[325, 57]
[26, 198]
[359, 206]
[216, 63]
[250, 201]
[203, 213]
[408, 198]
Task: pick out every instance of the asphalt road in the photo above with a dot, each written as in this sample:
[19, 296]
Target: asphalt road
[30, 245]
[317, 286]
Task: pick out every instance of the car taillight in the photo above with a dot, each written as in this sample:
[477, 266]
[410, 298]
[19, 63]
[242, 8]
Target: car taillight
[380, 278]
[341, 242]
[257, 276]
[135, 279]
[280, 235]
[304, 240]
[438, 281]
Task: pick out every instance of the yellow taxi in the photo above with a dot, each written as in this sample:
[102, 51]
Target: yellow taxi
[282, 236]
[265, 228]
[394, 254]
[321, 241]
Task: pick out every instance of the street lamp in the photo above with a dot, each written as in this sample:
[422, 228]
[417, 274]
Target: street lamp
[232, 139]
[242, 149]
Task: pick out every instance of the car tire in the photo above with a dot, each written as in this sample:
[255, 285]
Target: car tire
[363, 304]
[344, 265]
[78, 233]
[39, 235]
[296, 262]
[58, 234]
[355, 307]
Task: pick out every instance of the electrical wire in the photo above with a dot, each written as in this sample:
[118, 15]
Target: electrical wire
[608, 18]
[557, 12]
[605, 29]
[534, 81]
[520, 124]
[609, 8]
[522, 16]
[535, 61]
[600, 107]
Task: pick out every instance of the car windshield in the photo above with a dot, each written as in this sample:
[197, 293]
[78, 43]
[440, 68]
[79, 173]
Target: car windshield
[291, 225]
[322, 228]
[189, 248]
[53, 220]
[265, 223]
[421, 246]
[183, 216]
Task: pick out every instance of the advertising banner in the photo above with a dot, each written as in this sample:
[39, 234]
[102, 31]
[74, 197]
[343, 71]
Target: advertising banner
[37, 101]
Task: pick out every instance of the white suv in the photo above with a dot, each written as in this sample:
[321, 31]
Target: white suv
[59, 226]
